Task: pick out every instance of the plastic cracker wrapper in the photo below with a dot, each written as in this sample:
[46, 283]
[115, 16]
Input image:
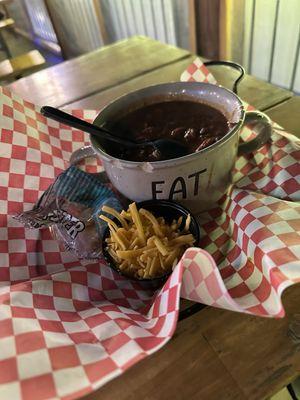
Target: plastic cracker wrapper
[71, 208]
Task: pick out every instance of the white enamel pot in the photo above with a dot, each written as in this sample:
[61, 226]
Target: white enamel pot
[197, 180]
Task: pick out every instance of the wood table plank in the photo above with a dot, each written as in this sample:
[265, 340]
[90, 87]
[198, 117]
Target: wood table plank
[164, 74]
[287, 115]
[185, 368]
[261, 95]
[258, 352]
[96, 71]
[125, 66]
[218, 354]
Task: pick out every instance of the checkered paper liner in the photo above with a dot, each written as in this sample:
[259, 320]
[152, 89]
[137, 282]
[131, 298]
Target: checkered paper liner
[66, 327]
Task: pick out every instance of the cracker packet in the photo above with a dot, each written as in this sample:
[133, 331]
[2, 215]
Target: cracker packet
[70, 207]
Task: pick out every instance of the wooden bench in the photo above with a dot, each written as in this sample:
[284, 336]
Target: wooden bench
[6, 23]
[19, 65]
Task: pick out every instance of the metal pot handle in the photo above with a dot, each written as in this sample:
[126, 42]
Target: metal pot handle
[82, 153]
[232, 65]
[263, 128]
[262, 123]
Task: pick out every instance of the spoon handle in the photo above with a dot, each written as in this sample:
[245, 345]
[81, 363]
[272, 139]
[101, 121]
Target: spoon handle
[70, 120]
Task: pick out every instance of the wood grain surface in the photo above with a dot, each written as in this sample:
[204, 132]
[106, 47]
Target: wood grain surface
[92, 80]
[169, 73]
[261, 95]
[287, 115]
[217, 354]
[185, 368]
[27, 62]
[96, 71]
[258, 352]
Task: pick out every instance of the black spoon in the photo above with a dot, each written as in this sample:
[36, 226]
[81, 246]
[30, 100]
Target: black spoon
[167, 147]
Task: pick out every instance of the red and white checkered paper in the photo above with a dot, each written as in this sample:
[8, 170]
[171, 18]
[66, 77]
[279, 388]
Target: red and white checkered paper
[66, 327]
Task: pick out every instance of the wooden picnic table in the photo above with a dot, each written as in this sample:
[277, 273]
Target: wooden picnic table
[214, 354]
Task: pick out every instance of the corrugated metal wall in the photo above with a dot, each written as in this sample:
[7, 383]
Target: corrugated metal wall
[40, 21]
[76, 21]
[272, 41]
[153, 18]
[79, 21]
